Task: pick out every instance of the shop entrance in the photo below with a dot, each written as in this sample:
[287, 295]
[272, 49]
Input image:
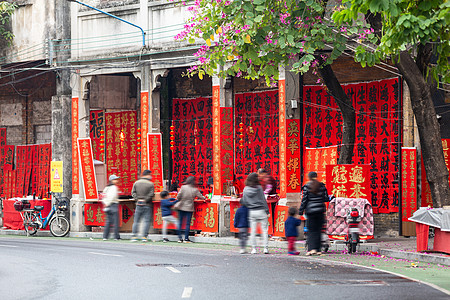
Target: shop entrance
[114, 118]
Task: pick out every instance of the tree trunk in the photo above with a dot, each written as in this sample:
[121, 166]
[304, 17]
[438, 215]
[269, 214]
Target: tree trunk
[347, 110]
[429, 132]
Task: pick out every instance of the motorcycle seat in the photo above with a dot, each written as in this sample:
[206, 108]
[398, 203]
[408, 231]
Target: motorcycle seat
[38, 208]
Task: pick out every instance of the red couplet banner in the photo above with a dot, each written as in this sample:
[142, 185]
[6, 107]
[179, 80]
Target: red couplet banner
[409, 187]
[317, 159]
[294, 183]
[155, 161]
[75, 161]
[157, 217]
[349, 181]
[94, 215]
[234, 205]
[97, 124]
[87, 168]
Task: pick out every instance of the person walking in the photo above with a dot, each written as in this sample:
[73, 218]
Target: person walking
[290, 227]
[166, 212]
[111, 203]
[253, 198]
[186, 196]
[313, 203]
[241, 222]
[143, 191]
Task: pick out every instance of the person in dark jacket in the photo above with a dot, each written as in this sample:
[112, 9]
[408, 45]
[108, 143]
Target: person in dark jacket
[143, 191]
[313, 203]
[290, 228]
[166, 213]
[241, 222]
[258, 211]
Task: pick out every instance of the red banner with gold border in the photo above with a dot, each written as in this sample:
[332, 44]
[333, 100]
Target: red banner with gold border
[155, 160]
[75, 165]
[206, 217]
[234, 205]
[293, 175]
[226, 143]
[349, 181]
[281, 215]
[144, 128]
[94, 215]
[157, 217]
[282, 133]
[409, 183]
[216, 140]
[87, 168]
[9, 158]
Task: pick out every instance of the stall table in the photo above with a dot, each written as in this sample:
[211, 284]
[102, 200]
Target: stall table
[12, 218]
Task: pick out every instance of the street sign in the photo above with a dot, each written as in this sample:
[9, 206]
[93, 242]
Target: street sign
[56, 176]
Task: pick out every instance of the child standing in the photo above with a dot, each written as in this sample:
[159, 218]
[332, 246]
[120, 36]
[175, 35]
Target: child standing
[166, 212]
[290, 227]
[241, 222]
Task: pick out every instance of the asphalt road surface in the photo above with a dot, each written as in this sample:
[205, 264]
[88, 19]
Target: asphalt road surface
[37, 268]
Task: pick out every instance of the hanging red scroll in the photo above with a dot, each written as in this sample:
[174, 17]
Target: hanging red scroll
[234, 205]
[293, 157]
[226, 144]
[283, 139]
[348, 181]
[87, 168]
[121, 148]
[409, 183]
[378, 109]
[155, 161]
[216, 140]
[281, 215]
[97, 124]
[316, 159]
[75, 161]
[426, 192]
[144, 128]
[45, 156]
[2, 137]
[9, 158]
[259, 113]
[192, 154]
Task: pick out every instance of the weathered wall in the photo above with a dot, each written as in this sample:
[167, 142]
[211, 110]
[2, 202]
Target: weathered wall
[189, 87]
[32, 23]
[25, 107]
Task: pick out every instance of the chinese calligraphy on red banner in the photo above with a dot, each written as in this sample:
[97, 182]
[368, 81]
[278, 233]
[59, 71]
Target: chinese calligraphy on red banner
[226, 144]
[97, 124]
[216, 140]
[75, 162]
[281, 215]
[94, 215]
[282, 133]
[409, 183]
[121, 148]
[87, 168]
[259, 113]
[348, 181]
[316, 159]
[144, 129]
[155, 159]
[378, 110]
[192, 154]
[293, 174]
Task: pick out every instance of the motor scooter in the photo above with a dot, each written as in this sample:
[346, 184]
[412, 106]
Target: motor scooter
[352, 237]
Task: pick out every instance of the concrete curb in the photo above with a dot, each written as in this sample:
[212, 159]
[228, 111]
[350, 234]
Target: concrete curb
[363, 247]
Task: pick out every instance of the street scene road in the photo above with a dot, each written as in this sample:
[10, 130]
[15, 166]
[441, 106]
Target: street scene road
[42, 268]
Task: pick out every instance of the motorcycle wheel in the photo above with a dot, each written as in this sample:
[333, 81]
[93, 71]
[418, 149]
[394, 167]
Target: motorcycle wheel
[349, 247]
[325, 248]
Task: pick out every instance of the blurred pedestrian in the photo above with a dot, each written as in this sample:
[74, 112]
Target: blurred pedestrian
[111, 203]
[143, 191]
[313, 203]
[186, 196]
[268, 183]
[253, 198]
[241, 222]
[290, 228]
[166, 211]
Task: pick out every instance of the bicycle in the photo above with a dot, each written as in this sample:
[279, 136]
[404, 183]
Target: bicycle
[58, 224]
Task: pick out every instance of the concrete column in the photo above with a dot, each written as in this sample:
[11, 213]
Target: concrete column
[155, 98]
[290, 131]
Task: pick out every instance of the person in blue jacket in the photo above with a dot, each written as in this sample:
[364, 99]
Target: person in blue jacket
[290, 227]
[241, 222]
[166, 212]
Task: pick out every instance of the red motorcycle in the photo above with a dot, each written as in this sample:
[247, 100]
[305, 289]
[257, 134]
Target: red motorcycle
[352, 237]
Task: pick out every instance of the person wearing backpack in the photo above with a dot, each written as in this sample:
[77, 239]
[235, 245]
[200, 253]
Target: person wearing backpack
[143, 191]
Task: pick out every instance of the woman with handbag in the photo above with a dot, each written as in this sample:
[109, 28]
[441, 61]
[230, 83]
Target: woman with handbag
[313, 202]
[111, 202]
[185, 207]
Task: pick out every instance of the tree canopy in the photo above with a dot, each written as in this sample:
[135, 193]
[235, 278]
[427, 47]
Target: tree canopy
[253, 37]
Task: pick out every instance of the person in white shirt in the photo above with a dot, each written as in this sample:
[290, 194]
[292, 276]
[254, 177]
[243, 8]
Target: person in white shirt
[111, 207]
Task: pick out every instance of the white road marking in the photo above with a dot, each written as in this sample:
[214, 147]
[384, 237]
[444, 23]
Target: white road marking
[187, 292]
[8, 246]
[105, 254]
[173, 269]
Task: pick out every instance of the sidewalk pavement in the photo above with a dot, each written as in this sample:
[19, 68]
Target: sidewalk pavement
[400, 247]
